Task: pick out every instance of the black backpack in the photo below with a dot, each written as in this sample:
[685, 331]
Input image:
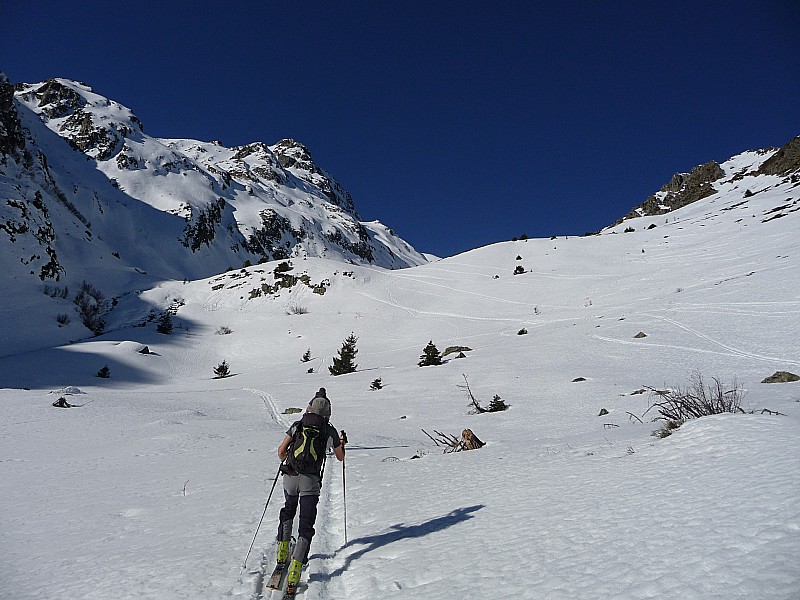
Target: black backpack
[306, 451]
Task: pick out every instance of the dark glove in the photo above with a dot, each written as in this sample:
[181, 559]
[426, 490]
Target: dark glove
[343, 437]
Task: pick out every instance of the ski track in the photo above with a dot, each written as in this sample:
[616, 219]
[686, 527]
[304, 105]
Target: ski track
[727, 350]
[272, 408]
[417, 279]
[318, 584]
[444, 314]
[731, 350]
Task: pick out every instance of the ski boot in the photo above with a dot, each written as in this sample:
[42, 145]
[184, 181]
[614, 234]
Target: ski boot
[283, 552]
[293, 579]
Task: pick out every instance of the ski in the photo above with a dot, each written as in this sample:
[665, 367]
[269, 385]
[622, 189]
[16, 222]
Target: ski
[280, 571]
[274, 582]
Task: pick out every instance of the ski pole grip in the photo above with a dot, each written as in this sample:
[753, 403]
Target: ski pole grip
[343, 436]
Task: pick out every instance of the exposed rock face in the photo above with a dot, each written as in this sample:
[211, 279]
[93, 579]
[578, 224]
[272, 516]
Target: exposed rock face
[11, 138]
[78, 124]
[784, 161]
[682, 189]
[294, 155]
[57, 100]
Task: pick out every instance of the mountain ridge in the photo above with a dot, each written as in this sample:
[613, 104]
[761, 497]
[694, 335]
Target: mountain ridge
[244, 205]
[685, 188]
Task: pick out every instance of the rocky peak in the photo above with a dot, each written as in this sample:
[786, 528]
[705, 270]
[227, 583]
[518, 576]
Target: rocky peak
[682, 189]
[699, 178]
[784, 161]
[291, 154]
[56, 100]
[91, 123]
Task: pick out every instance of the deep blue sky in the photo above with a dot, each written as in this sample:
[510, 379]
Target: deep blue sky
[458, 124]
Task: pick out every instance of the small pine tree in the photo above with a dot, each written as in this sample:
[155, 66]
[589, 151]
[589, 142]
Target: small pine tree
[104, 373]
[306, 356]
[222, 370]
[497, 404]
[165, 324]
[347, 353]
[376, 385]
[431, 356]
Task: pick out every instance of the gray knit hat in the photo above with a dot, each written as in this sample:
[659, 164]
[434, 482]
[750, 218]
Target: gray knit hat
[320, 406]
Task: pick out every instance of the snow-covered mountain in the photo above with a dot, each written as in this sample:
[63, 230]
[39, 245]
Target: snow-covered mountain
[745, 174]
[89, 196]
[152, 486]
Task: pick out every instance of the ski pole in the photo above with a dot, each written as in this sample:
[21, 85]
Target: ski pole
[343, 437]
[344, 494]
[244, 564]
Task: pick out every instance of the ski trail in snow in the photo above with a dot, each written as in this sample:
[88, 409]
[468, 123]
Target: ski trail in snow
[726, 350]
[730, 349]
[411, 310]
[271, 407]
[418, 279]
[318, 583]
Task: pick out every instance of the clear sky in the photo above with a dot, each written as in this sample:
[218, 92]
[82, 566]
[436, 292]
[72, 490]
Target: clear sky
[458, 124]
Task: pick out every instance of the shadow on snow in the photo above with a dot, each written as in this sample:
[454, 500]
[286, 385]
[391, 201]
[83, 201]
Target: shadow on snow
[396, 533]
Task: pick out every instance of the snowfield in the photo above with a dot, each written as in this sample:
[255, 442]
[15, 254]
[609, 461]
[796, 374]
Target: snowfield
[154, 486]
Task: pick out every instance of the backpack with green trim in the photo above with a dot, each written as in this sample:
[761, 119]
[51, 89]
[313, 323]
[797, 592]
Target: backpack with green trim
[306, 451]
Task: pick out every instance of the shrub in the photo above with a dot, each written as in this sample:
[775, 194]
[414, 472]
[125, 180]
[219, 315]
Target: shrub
[55, 291]
[165, 324]
[296, 309]
[696, 400]
[343, 363]
[63, 319]
[519, 270]
[222, 370]
[522, 331]
[430, 356]
[495, 405]
[376, 384]
[283, 267]
[104, 373]
[306, 356]
[224, 330]
[666, 429]
[91, 303]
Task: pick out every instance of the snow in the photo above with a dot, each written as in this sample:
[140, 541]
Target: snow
[153, 488]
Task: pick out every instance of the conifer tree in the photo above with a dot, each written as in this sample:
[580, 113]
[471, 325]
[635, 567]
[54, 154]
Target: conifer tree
[431, 356]
[347, 353]
[222, 370]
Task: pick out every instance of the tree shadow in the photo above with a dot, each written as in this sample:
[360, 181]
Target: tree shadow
[396, 533]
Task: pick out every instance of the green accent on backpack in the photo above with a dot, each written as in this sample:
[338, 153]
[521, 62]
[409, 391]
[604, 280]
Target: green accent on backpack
[307, 448]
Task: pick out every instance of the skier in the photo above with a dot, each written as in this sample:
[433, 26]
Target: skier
[303, 452]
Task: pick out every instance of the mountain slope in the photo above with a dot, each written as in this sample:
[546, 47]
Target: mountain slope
[90, 197]
[153, 488]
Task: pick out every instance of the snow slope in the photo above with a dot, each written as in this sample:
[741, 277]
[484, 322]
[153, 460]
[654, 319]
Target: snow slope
[87, 195]
[154, 487]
